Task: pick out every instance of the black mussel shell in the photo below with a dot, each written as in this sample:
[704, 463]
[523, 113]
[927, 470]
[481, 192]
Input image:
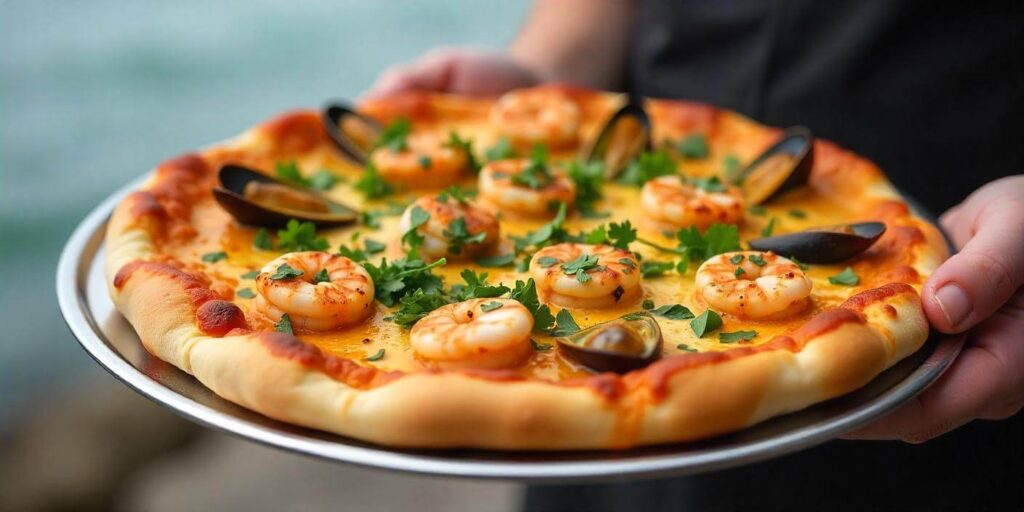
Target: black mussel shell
[353, 133]
[232, 197]
[781, 168]
[825, 245]
[619, 345]
[626, 134]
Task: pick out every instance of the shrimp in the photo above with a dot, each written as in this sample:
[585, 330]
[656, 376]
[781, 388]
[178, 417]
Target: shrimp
[671, 203]
[455, 229]
[477, 333]
[537, 116]
[426, 162]
[322, 291]
[532, 197]
[755, 285]
[586, 276]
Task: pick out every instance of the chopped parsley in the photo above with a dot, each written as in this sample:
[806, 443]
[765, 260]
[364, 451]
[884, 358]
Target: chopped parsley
[321, 277]
[547, 261]
[288, 172]
[565, 324]
[551, 232]
[323, 180]
[487, 307]
[424, 162]
[770, 228]
[718, 239]
[262, 240]
[537, 174]
[392, 281]
[673, 312]
[580, 266]
[476, 287]
[376, 357]
[372, 185]
[465, 145]
[245, 293]
[655, 268]
[619, 235]
[589, 179]
[731, 167]
[733, 337]
[647, 167]
[685, 348]
[284, 325]
[736, 259]
[453, 192]
[526, 294]
[252, 274]
[300, 236]
[372, 246]
[458, 235]
[214, 257]
[757, 259]
[394, 136]
[797, 214]
[693, 146]
[412, 239]
[285, 272]
[711, 184]
[739, 272]
[845, 278]
[707, 321]
[417, 305]
[501, 150]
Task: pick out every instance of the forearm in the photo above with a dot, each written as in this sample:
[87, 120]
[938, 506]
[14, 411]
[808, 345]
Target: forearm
[580, 41]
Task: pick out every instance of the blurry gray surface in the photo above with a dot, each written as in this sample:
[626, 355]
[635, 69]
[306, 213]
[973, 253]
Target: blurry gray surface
[85, 304]
[93, 93]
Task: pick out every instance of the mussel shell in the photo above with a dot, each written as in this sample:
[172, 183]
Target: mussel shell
[825, 245]
[796, 142]
[334, 115]
[231, 196]
[641, 141]
[574, 347]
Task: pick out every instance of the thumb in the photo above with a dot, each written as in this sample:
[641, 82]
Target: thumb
[978, 280]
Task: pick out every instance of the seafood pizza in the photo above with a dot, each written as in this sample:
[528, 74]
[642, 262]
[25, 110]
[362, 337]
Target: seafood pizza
[555, 268]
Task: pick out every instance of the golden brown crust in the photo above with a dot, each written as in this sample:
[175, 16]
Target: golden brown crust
[180, 319]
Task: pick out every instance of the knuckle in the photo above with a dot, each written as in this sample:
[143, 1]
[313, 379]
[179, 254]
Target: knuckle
[995, 271]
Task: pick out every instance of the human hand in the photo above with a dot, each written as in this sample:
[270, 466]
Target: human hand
[978, 290]
[455, 70]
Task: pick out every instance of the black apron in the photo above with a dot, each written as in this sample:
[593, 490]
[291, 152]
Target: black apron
[931, 91]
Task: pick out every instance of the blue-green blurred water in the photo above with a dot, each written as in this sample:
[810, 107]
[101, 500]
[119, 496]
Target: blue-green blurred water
[94, 93]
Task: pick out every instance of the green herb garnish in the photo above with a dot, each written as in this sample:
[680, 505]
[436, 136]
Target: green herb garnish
[300, 236]
[501, 260]
[284, 325]
[565, 324]
[285, 272]
[376, 357]
[647, 167]
[214, 257]
[262, 240]
[501, 150]
[707, 321]
[372, 185]
[693, 146]
[394, 135]
[252, 274]
[673, 312]
[526, 294]
[845, 278]
[321, 277]
[487, 307]
[245, 293]
[733, 337]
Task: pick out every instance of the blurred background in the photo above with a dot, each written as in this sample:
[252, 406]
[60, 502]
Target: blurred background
[94, 93]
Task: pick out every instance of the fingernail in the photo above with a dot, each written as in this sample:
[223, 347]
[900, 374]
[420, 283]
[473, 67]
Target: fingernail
[953, 302]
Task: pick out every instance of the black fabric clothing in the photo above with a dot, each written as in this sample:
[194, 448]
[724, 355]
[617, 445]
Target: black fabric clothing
[931, 91]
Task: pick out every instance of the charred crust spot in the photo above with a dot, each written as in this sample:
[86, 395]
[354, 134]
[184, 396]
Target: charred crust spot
[218, 317]
[619, 291]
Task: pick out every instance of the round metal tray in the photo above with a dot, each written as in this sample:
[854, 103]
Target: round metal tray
[111, 341]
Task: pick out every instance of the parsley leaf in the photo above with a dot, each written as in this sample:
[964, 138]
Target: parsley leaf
[476, 287]
[718, 238]
[589, 179]
[417, 305]
[262, 240]
[453, 192]
[501, 150]
[731, 167]
[797, 214]
[412, 238]
[394, 135]
[845, 278]
[526, 294]
[501, 260]
[372, 185]
[214, 257]
[392, 281]
[245, 293]
[621, 235]
[323, 180]
[300, 236]
[770, 228]
[647, 167]
[285, 272]
[487, 307]
[537, 174]
[733, 337]
[673, 312]
[655, 268]
[565, 324]
[547, 261]
[458, 235]
[321, 277]
[373, 246]
[707, 321]
[288, 172]
[711, 184]
[693, 146]
[376, 357]
[580, 266]
[685, 348]
[548, 233]
[457, 143]
[250, 274]
[284, 325]
[757, 259]
[425, 162]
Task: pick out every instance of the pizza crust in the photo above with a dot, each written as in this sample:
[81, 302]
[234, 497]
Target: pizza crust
[679, 398]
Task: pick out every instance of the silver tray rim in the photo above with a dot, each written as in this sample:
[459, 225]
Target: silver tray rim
[544, 467]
